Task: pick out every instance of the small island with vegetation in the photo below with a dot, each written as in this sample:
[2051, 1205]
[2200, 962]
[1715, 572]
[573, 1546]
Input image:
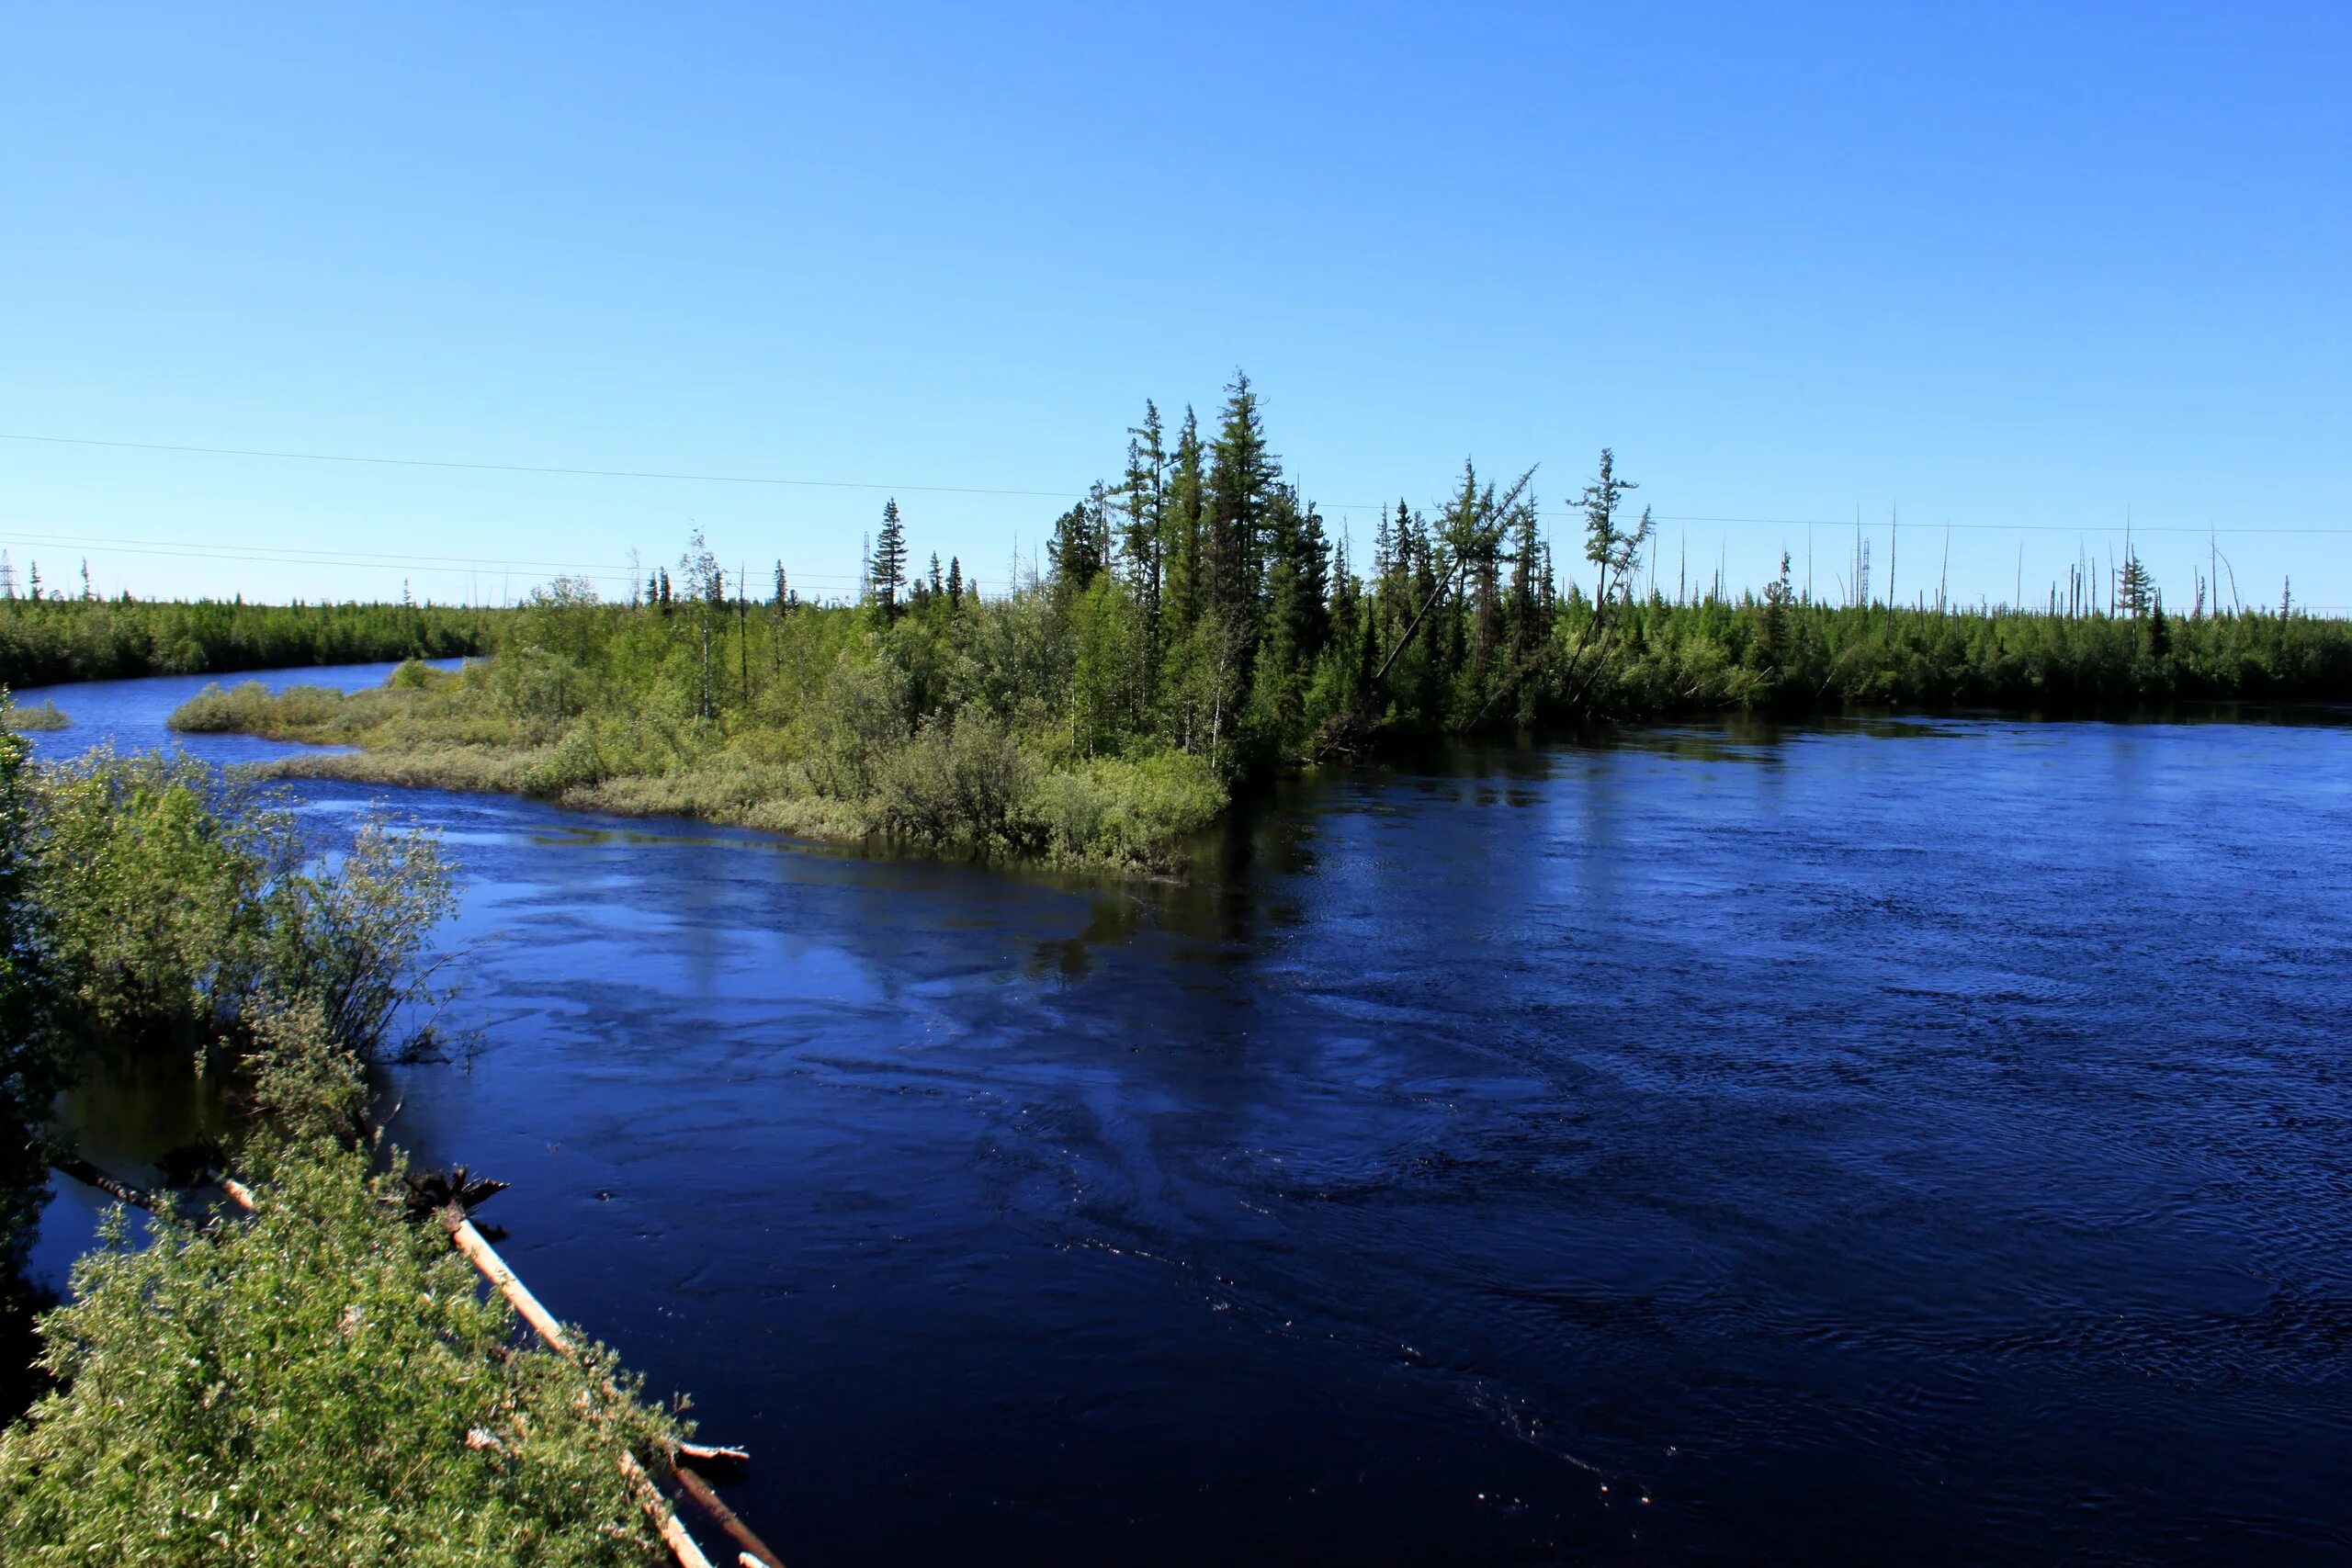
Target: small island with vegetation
[1192, 627]
[43, 717]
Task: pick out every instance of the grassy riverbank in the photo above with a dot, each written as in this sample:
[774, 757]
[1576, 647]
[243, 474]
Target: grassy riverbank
[965, 783]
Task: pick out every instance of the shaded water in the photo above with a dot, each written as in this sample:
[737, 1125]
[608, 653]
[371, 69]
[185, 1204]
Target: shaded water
[1717, 1144]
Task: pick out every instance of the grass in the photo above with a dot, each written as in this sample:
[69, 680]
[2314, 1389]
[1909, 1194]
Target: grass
[972, 786]
[25, 720]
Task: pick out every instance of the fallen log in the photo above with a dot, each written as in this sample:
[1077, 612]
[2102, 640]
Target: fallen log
[665, 1518]
[492, 1267]
[486, 1261]
[82, 1170]
[754, 1551]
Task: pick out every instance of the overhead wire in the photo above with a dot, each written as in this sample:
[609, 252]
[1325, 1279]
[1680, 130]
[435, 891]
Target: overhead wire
[691, 476]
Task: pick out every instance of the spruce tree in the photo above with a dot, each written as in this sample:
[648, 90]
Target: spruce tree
[1612, 548]
[886, 573]
[1144, 547]
[1180, 554]
[1243, 478]
[1074, 550]
[2136, 587]
[1773, 632]
[1526, 571]
[1314, 585]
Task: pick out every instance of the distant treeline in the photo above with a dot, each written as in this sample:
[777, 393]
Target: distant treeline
[57, 638]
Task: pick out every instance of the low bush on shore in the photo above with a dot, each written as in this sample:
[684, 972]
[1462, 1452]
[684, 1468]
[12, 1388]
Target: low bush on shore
[176, 906]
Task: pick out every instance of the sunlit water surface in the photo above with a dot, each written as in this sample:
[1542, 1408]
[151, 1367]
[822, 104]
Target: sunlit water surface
[1926, 1140]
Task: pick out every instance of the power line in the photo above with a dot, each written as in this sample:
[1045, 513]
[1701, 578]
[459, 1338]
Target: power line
[538, 468]
[2010, 527]
[549, 470]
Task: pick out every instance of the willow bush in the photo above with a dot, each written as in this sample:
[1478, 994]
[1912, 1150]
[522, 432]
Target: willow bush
[323, 1383]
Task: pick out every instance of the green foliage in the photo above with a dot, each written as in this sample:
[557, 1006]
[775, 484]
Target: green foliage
[49, 641]
[157, 900]
[179, 908]
[30, 1068]
[1198, 626]
[323, 1383]
[304, 1084]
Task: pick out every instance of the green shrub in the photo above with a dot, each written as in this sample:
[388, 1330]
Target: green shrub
[178, 903]
[31, 1070]
[24, 720]
[252, 708]
[215, 711]
[324, 1383]
[956, 781]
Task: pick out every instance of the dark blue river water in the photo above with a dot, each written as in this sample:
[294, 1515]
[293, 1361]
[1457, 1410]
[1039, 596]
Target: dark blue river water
[1924, 1139]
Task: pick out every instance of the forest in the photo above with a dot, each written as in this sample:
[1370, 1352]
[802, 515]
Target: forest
[1190, 626]
[47, 637]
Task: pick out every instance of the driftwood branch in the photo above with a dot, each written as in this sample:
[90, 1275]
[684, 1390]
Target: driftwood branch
[665, 1518]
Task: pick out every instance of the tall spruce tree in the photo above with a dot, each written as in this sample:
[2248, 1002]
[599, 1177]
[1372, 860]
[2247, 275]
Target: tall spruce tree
[1609, 544]
[1144, 547]
[1180, 554]
[1527, 568]
[1243, 478]
[2135, 586]
[886, 573]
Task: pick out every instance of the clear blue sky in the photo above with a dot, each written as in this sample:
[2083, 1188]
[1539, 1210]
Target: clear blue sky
[2036, 266]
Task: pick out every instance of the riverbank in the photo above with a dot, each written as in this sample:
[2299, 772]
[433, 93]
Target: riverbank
[967, 785]
[362, 1399]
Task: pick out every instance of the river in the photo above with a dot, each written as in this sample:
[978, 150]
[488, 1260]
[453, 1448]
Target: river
[1925, 1139]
